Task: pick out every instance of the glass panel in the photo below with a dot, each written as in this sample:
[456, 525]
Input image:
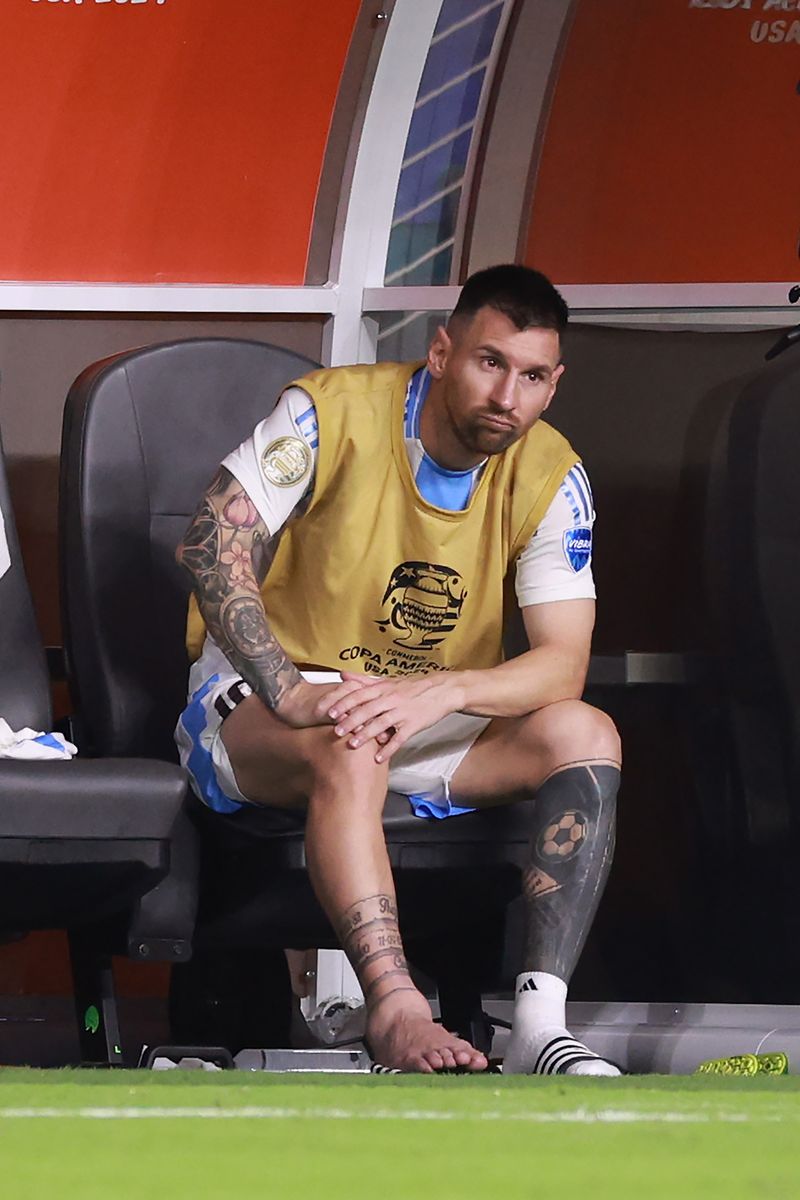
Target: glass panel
[404, 336]
[433, 122]
[439, 139]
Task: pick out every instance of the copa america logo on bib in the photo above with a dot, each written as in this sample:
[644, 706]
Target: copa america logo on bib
[578, 548]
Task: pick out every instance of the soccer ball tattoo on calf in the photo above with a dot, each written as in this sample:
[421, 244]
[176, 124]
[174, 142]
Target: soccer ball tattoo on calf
[571, 848]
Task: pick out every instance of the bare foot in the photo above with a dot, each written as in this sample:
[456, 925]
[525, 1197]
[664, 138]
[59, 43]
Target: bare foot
[402, 1034]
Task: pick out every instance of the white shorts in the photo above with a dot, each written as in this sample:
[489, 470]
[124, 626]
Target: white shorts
[421, 769]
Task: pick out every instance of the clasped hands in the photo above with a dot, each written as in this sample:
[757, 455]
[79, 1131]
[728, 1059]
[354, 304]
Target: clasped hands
[386, 709]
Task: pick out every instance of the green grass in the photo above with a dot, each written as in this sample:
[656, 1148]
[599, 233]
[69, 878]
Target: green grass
[322, 1137]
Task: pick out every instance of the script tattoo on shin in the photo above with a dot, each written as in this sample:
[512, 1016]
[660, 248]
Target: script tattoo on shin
[370, 936]
[227, 551]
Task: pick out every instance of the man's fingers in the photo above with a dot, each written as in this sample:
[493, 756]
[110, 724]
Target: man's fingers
[347, 697]
[374, 727]
[337, 698]
[391, 747]
[362, 712]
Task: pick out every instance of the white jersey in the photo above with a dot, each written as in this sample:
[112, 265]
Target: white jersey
[555, 564]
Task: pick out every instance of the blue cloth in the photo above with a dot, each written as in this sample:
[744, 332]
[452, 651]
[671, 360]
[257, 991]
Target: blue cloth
[423, 806]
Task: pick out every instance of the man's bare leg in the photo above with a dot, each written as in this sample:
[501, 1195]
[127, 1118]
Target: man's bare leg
[568, 755]
[350, 872]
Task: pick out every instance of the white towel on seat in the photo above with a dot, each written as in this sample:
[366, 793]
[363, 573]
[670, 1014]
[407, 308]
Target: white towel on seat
[30, 744]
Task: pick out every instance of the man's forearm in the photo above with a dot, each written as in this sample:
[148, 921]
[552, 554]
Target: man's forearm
[227, 551]
[522, 685]
[240, 628]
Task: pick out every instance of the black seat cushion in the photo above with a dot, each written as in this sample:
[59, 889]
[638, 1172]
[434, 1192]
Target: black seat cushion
[99, 800]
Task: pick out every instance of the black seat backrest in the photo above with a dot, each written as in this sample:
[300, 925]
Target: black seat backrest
[753, 583]
[143, 434]
[24, 684]
[764, 440]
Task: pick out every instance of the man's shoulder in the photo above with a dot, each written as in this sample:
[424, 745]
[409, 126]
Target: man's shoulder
[543, 439]
[360, 379]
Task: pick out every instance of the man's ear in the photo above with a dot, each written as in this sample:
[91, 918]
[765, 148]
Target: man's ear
[554, 378]
[438, 352]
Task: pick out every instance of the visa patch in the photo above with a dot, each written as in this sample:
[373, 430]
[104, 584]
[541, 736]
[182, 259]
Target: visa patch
[578, 548]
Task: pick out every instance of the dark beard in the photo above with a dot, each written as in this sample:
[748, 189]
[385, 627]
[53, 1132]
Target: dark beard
[480, 439]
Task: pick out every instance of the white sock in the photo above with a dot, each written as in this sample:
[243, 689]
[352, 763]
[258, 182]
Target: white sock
[540, 1042]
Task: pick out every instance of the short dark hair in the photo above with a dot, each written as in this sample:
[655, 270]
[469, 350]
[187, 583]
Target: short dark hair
[525, 296]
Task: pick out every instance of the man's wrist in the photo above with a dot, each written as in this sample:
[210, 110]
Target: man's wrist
[459, 690]
[283, 704]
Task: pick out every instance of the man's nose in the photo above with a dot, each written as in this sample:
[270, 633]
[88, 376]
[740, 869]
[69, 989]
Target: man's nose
[503, 391]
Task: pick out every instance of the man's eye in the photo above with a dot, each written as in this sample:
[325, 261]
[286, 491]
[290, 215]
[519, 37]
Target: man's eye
[490, 362]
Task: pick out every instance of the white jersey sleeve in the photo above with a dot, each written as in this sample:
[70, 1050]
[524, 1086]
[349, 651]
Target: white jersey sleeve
[556, 564]
[260, 468]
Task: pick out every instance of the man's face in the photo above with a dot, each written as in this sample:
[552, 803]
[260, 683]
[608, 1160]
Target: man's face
[495, 381]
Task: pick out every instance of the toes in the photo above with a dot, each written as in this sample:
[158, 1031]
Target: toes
[464, 1055]
[435, 1059]
[449, 1061]
[472, 1059]
[426, 1048]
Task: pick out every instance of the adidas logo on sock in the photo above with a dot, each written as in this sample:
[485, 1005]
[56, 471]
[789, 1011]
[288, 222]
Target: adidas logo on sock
[527, 986]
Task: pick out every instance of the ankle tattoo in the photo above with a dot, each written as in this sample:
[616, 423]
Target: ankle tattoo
[391, 992]
[370, 936]
[397, 973]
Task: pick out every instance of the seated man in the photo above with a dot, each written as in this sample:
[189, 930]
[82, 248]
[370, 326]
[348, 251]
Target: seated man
[348, 563]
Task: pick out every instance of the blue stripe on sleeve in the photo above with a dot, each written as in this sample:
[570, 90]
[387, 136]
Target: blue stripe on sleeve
[576, 481]
[310, 412]
[580, 471]
[308, 426]
[576, 512]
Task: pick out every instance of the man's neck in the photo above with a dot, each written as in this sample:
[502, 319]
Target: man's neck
[438, 437]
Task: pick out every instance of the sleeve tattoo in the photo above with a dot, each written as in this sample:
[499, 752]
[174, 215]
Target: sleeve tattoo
[227, 551]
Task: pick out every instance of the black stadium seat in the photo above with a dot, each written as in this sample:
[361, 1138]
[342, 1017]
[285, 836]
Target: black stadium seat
[143, 434]
[81, 842]
[753, 587]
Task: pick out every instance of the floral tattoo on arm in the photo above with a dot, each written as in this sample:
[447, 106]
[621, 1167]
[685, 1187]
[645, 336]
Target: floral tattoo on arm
[227, 550]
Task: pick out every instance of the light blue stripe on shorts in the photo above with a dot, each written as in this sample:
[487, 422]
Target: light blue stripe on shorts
[192, 724]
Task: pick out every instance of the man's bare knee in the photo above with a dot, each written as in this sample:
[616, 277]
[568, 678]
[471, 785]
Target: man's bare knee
[336, 768]
[573, 731]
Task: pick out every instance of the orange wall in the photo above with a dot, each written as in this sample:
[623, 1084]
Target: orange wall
[671, 154]
[174, 141]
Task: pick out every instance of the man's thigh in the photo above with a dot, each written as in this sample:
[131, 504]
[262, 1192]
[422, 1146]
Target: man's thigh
[270, 760]
[514, 756]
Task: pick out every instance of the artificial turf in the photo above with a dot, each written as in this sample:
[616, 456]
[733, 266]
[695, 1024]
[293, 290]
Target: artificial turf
[79, 1135]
